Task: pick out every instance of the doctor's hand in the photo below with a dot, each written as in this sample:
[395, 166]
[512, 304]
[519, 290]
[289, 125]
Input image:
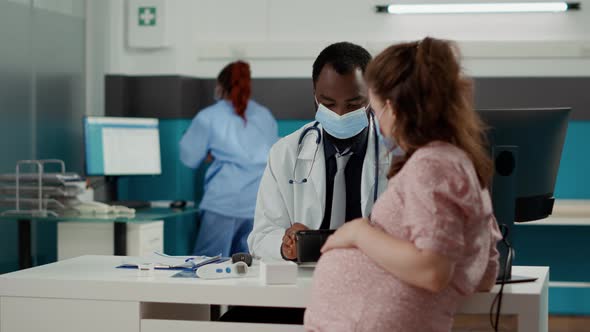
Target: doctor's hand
[289, 246]
[347, 235]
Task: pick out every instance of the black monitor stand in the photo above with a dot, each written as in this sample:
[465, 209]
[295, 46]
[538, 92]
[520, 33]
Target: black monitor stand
[505, 159]
[112, 182]
[120, 228]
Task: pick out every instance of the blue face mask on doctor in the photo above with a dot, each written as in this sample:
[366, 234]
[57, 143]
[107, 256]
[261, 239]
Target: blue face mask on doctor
[342, 126]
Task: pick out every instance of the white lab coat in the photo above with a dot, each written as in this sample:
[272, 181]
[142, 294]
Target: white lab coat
[280, 204]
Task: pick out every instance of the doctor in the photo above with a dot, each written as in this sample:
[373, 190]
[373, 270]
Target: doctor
[331, 170]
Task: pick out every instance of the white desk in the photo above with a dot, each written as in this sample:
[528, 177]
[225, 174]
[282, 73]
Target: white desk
[89, 294]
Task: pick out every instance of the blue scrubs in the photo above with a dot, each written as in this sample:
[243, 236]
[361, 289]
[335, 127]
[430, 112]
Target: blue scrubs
[240, 151]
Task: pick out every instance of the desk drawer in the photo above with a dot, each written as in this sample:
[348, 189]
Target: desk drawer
[145, 238]
[20, 314]
[179, 317]
[156, 325]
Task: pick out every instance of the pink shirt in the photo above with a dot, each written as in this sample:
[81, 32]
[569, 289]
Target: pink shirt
[436, 203]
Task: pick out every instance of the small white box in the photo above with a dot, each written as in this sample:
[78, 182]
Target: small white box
[278, 272]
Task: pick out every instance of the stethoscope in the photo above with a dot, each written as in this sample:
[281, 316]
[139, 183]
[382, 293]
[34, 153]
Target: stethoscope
[318, 140]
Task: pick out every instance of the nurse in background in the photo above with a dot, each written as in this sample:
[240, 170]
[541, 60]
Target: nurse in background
[236, 133]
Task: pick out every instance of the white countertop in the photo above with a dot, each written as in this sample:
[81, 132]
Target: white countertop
[95, 277]
[572, 208]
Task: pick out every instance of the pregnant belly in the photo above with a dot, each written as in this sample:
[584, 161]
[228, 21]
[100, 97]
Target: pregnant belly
[348, 273]
[346, 264]
[349, 288]
[345, 274]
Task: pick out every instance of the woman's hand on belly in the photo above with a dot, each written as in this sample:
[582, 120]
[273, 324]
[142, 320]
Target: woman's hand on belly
[347, 235]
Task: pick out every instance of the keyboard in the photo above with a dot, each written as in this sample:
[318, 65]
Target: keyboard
[132, 204]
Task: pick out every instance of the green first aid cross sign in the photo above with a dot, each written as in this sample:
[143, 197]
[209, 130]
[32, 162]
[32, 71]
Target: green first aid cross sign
[147, 16]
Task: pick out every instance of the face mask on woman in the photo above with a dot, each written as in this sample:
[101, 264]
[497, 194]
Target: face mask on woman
[389, 142]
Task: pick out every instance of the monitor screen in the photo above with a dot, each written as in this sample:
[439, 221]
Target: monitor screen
[539, 134]
[122, 146]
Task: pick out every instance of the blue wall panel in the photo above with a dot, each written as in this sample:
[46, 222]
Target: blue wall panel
[288, 126]
[564, 249]
[569, 301]
[573, 180]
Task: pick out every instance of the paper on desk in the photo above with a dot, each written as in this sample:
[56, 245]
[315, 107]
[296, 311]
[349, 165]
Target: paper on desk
[163, 261]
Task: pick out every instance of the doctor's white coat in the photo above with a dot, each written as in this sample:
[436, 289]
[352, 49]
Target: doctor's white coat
[281, 204]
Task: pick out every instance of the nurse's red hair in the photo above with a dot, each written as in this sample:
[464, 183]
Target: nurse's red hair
[236, 83]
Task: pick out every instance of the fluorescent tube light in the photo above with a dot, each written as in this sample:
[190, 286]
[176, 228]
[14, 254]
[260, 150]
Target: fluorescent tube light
[473, 8]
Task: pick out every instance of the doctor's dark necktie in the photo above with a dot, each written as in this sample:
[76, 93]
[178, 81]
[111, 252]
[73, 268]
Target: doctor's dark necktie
[338, 214]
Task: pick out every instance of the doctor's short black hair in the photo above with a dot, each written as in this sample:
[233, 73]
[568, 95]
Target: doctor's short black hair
[344, 57]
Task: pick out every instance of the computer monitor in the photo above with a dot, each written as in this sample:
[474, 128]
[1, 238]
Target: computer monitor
[526, 146]
[117, 146]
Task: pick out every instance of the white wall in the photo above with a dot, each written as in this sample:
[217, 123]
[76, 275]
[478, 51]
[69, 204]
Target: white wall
[281, 38]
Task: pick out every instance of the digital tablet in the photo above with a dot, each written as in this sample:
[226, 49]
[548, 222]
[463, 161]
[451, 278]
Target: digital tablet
[309, 243]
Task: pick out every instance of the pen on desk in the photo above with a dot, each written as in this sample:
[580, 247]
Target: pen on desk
[199, 257]
[205, 260]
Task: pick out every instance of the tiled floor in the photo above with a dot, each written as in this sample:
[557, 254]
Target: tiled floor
[481, 323]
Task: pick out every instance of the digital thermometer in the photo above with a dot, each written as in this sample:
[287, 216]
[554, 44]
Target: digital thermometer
[223, 271]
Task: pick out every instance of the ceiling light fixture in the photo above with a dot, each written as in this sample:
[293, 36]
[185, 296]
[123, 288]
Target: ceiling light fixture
[476, 8]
